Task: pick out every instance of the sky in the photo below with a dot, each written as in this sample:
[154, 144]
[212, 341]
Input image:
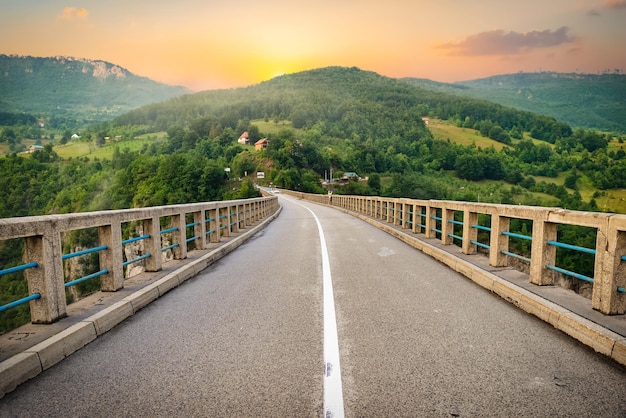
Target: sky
[214, 44]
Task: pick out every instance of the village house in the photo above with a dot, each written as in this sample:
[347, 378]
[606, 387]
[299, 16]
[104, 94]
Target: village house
[350, 176]
[35, 148]
[261, 144]
[244, 139]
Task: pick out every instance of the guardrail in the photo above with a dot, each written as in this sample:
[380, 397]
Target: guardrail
[43, 267]
[454, 221]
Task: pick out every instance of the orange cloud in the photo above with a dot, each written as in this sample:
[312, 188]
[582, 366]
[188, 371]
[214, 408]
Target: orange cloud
[73, 12]
[499, 42]
[615, 4]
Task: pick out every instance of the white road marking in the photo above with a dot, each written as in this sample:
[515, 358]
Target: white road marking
[333, 391]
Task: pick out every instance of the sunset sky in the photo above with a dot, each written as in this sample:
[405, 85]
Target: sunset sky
[209, 44]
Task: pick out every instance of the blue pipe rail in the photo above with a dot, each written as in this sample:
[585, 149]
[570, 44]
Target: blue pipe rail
[19, 302]
[165, 231]
[141, 257]
[135, 239]
[519, 257]
[456, 237]
[84, 252]
[169, 247]
[19, 268]
[85, 278]
[482, 228]
[480, 244]
[572, 247]
[570, 273]
[515, 235]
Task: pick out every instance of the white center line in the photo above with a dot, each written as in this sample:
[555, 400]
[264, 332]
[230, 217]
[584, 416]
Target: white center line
[333, 391]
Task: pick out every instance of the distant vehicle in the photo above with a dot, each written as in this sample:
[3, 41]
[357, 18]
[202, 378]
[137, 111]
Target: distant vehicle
[275, 191]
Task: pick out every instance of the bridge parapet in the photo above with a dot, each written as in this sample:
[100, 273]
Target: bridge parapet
[191, 225]
[485, 226]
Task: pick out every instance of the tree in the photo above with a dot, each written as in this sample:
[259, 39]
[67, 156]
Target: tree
[373, 182]
[571, 179]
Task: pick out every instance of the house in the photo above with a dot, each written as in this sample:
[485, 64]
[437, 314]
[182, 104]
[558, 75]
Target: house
[261, 144]
[75, 136]
[35, 148]
[350, 175]
[243, 139]
[426, 120]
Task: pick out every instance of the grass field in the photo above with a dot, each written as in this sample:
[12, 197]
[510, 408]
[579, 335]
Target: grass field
[271, 127]
[89, 150]
[462, 136]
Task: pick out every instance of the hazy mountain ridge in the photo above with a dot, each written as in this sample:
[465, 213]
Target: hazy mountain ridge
[77, 88]
[581, 100]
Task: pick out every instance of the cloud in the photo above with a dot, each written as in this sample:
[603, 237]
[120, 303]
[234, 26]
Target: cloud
[615, 4]
[499, 42]
[73, 12]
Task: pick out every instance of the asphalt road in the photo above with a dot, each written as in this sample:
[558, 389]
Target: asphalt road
[245, 339]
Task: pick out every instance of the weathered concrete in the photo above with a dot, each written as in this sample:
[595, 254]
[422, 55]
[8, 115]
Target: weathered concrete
[34, 359]
[593, 334]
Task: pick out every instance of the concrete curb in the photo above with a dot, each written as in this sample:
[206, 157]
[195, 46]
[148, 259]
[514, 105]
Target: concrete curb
[587, 332]
[28, 364]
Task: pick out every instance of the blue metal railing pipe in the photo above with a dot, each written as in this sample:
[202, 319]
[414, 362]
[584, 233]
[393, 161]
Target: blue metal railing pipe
[85, 278]
[572, 247]
[18, 268]
[125, 263]
[84, 252]
[570, 273]
[19, 302]
[128, 241]
[515, 235]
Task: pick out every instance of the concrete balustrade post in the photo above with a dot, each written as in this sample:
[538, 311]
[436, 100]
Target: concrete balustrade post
[397, 213]
[406, 216]
[430, 222]
[541, 252]
[112, 258]
[225, 221]
[234, 219]
[47, 279]
[214, 225]
[199, 230]
[610, 269]
[447, 227]
[390, 211]
[469, 234]
[179, 236]
[499, 242]
[241, 216]
[247, 215]
[253, 211]
[152, 245]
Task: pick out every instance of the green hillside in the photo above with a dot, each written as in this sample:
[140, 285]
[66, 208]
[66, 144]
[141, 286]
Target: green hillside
[74, 91]
[581, 100]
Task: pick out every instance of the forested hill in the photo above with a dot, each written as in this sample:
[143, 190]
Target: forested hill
[581, 100]
[78, 90]
[349, 102]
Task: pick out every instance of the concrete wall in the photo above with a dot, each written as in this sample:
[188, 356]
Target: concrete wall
[42, 239]
[437, 218]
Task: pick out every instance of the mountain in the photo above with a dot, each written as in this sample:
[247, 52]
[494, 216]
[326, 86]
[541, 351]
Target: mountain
[580, 100]
[73, 88]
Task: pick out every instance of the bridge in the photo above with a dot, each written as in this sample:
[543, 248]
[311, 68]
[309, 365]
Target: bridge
[359, 306]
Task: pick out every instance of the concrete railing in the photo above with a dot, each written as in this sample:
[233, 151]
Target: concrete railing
[199, 223]
[452, 221]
